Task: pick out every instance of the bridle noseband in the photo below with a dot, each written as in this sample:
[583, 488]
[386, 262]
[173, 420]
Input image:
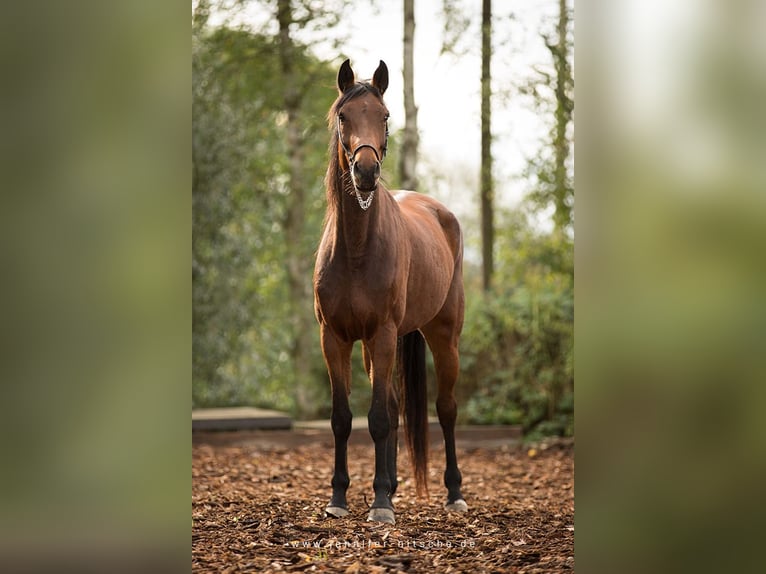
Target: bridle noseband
[351, 158]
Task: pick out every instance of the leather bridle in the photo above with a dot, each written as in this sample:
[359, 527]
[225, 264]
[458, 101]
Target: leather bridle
[364, 203]
[351, 156]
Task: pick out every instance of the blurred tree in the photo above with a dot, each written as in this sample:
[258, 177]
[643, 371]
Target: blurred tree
[455, 23]
[487, 185]
[520, 343]
[518, 340]
[409, 152]
[553, 169]
[299, 266]
[259, 145]
[219, 145]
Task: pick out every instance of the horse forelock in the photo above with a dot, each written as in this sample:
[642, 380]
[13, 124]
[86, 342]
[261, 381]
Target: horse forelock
[358, 89]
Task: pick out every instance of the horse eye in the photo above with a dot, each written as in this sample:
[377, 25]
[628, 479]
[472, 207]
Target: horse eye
[342, 117]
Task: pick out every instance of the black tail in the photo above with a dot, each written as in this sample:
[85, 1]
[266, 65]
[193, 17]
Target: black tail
[413, 404]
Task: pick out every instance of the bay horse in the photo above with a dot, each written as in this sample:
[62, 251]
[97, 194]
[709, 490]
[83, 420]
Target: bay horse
[389, 273]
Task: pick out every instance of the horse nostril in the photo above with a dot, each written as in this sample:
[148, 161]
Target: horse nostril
[366, 171]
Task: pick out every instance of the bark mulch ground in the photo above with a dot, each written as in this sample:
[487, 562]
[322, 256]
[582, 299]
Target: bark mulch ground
[259, 508]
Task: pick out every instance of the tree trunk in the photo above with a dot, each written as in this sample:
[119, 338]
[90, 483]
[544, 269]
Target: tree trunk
[564, 106]
[487, 187]
[408, 157]
[297, 262]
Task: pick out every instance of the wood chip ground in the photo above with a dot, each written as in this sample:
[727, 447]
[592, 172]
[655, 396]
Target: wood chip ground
[259, 508]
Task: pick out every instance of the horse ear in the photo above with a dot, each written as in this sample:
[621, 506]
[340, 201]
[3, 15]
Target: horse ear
[345, 77]
[380, 78]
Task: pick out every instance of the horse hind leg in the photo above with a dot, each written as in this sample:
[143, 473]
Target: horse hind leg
[443, 340]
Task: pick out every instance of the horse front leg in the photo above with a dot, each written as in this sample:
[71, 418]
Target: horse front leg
[383, 423]
[393, 432]
[337, 355]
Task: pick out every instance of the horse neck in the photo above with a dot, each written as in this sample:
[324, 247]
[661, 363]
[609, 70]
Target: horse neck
[355, 227]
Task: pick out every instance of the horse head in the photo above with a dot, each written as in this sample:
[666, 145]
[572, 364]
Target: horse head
[361, 121]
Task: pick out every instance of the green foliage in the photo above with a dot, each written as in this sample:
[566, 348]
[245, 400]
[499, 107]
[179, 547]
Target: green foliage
[551, 93]
[241, 328]
[518, 340]
[516, 348]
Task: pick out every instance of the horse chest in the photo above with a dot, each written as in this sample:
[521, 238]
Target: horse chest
[356, 308]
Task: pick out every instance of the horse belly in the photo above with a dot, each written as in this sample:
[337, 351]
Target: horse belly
[428, 285]
[436, 247]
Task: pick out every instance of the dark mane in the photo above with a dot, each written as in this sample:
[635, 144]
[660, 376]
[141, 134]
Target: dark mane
[334, 177]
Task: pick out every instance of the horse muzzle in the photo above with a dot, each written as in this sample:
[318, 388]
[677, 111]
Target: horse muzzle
[365, 175]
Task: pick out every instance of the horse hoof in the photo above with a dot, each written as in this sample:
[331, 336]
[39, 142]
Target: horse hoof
[381, 515]
[336, 511]
[458, 506]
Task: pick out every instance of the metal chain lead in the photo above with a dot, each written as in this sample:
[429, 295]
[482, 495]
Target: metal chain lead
[364, 203]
